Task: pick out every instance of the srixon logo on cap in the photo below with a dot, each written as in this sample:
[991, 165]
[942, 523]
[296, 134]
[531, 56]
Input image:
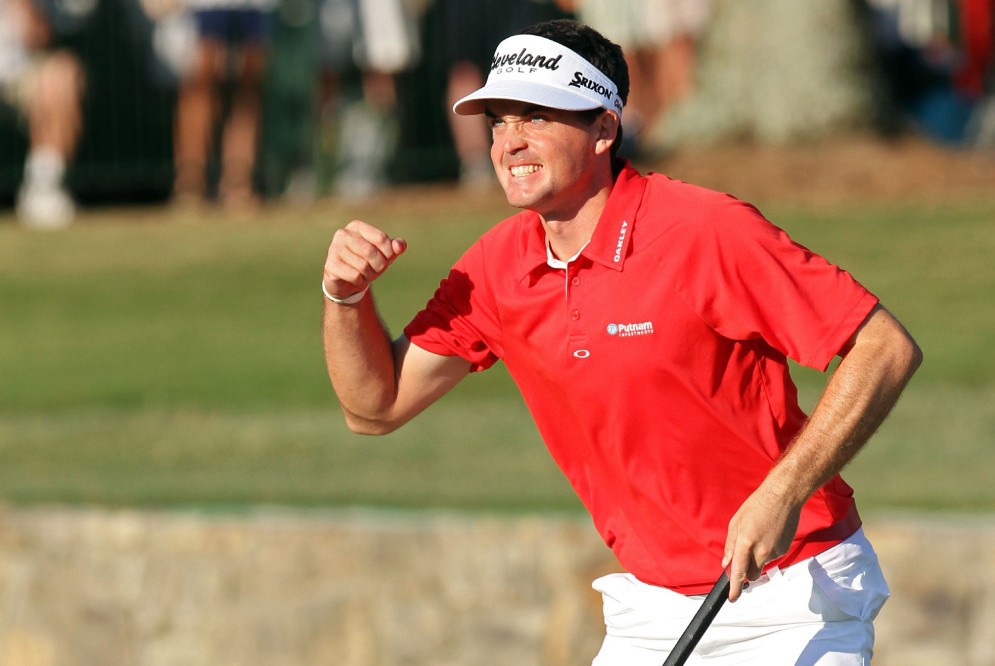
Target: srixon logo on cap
[581, 81]
[524, 61]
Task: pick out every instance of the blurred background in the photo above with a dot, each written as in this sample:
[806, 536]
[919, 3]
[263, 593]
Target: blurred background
[176, 482]
[326, 97]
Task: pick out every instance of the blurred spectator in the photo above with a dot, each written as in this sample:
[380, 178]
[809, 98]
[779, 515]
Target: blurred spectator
[372, 41]
[469, 32]
[937, 57]
[46, 86]
[977, 75]
[659, 39]
[233, 39]
[174, 39]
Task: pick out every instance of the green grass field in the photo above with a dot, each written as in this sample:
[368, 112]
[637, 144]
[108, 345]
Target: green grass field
[149, 358]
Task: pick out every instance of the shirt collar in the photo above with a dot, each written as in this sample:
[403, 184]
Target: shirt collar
[612, 238]
[560, 264]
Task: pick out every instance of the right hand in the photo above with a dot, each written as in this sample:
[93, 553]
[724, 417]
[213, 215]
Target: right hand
[760, 532]
[358, 255]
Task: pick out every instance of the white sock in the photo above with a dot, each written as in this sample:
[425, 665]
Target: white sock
[44, 167]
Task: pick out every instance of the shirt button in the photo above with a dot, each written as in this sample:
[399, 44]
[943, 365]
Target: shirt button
[575, 281]
[575, 315]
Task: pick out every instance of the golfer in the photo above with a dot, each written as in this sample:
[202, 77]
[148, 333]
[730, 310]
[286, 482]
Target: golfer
[648, 324]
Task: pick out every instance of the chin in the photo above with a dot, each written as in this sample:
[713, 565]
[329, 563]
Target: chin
[522, 198]
[518, 201]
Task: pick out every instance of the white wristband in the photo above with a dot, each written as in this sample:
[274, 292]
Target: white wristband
[348, 300]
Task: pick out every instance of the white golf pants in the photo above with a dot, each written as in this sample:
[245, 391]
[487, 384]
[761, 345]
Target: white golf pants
[816, 612]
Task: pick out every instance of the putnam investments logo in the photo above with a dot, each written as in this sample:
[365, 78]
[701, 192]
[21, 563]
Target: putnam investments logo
[629, 330]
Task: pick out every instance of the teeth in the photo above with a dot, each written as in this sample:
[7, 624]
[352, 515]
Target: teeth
[524, 170]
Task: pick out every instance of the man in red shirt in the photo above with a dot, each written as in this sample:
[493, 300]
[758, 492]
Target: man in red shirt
[648, 325]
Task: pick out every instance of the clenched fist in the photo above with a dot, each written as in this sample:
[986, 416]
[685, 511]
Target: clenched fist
[358, 255]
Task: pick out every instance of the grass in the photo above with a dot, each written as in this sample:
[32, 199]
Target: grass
[148, 358]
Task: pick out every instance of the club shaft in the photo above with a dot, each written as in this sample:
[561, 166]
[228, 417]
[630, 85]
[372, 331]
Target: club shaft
[699, 623]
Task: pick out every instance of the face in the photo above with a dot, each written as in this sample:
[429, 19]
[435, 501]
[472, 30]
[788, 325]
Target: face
[548, 160]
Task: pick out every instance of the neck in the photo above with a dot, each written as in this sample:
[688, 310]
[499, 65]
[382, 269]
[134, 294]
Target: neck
[567, 233]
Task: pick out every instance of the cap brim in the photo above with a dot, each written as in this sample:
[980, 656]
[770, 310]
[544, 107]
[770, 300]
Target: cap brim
[523, 91]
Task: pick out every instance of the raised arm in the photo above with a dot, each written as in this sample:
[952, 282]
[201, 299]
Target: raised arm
[878, 362]
[381, 384]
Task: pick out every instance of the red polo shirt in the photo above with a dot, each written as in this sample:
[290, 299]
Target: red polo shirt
[655, 365]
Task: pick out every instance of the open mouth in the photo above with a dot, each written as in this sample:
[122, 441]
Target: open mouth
[524, 170]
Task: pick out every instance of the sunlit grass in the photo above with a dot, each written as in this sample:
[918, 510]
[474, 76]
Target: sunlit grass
[155, 358]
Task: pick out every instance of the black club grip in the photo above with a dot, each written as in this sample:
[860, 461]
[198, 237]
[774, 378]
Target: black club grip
[699, 623]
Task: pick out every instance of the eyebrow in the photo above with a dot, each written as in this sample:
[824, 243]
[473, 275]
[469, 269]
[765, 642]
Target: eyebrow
[531, 108]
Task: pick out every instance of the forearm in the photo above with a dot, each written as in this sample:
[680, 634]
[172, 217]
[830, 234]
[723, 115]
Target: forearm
[877, 364]
[857, 399]
[361, 365]
[359, 355]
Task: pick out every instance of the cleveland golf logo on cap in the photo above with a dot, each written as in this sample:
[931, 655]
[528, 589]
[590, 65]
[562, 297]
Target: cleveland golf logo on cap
[536, 70]
[511, 62]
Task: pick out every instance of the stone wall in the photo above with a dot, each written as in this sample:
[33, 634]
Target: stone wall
[369, 589]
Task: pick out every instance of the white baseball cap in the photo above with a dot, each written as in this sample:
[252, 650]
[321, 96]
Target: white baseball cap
[528, 68]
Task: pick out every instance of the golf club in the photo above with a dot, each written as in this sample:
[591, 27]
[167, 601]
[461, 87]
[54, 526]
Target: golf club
[699, 623]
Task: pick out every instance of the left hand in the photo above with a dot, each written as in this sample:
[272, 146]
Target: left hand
[760, 531]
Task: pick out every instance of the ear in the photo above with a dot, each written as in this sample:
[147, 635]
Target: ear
[607, 126]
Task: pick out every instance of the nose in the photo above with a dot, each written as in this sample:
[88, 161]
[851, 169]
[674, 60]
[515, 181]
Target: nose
[513, 137]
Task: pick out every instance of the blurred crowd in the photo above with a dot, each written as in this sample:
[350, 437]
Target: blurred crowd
[939, 65]
[339, 73]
